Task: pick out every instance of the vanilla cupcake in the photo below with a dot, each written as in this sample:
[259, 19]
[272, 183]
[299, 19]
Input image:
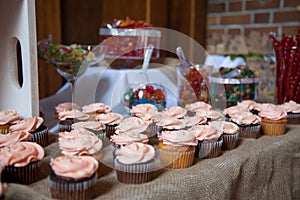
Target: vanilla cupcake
[273, 121]
[95, 109]
[293, 112]
[72, 177]
[8, 118]
[248, 123]
[94, 126]
[177, 148]
[175, 112]
[67, 118]
[134, 163]
[230, 135]
[209, 140]
[66, 106]
[22, 162]
[10, 138]
[35, 126]
[110, 120]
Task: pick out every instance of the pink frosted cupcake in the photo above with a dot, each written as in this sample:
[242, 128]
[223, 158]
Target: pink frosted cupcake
[22, 161]
[177, 148]
[140, 109]
[35, 126]
[7, 119]
[175, 112]
[273, 121]
[72, 177]
[233, 110]
[230, 135]
[210, 115]
[209, 140]
[67, 118]
[194, 120]
[134, 163]
[194, 107]
[110, 120]
[94, 126]
[248, 123]
[66, 106]
[10, 138]
[293, 112]
[170, 124]
[95, 109]
[133, 125]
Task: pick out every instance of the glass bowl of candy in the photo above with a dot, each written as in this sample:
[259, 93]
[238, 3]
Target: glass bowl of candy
[150, 93]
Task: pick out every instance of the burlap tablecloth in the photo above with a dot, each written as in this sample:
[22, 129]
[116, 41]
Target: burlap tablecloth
[264, 168]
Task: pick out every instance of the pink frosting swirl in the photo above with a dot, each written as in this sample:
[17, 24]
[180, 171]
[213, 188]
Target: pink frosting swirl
[193, 107]
[247, 104]
[178, 138]
[273, 114]
[109, 118]
[72, 114]
[206, 132]
[245, 118]
[96, 108]
[211, 114]
[230, 128]
[143, 108]
[171, 123]
[232, 110]
[132, 125]
[135, 153]
[125, 138]
[92, 125]
[195, 120]
[79, 142]
[27, 124]
[21, 153]
[75, 167]
[67, 106]
[290, 107]
[14, 137]
[9, 117]
[175, 111]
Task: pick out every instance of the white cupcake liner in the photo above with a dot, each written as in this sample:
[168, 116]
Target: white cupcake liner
[40, 137]
[100, 134]
[79, 190]
[249, 131]
[210, 149]
[23, 175]
[174, 159]
[230, 141]
[153, 130]
[134, 173]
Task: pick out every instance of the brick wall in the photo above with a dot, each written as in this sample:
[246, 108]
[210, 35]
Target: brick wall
[242, 16]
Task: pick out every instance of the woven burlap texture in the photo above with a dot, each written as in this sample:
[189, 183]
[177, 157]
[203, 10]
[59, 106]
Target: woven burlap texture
[264, 168]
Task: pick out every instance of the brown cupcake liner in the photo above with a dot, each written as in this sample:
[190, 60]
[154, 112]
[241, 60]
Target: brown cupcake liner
[110, 130]
[4, 129]
[134, 173]
[41, 136]
[23, 175]
[71, 190]
[249, 131]
[171, 159]
[210, 149]
[293, 118]
[273, 129]
[230, 141]
[65, 125]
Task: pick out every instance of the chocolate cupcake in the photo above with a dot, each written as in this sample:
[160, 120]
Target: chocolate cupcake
[66, 106]
[67, 118]
[94, 126]
[72, 177]
[293, 112]
[110, 120]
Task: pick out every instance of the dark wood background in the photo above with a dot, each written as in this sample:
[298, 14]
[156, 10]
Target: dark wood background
[78, 21]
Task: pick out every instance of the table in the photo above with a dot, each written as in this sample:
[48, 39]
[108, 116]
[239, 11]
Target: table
[263, 168]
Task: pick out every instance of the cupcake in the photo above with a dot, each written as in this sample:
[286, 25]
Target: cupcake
[248, 123]
[8, 118]
[175, 112]
[199, 105]
[110, 120]
[67, 118]
[94, 126]
[66, 106]
[233, 110]
[3, 186]
[95, 109]
[132, 125]
[18, 136]
[140, 109]
[194, 120]
[273, 121]
[293, 112]
[35, 126]
[249, 105]
[209, 140]
[134, 163]
[211, 115]
[22, 162]
[177, 148]
[230, 135]
[170, 124]
[72, 177]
